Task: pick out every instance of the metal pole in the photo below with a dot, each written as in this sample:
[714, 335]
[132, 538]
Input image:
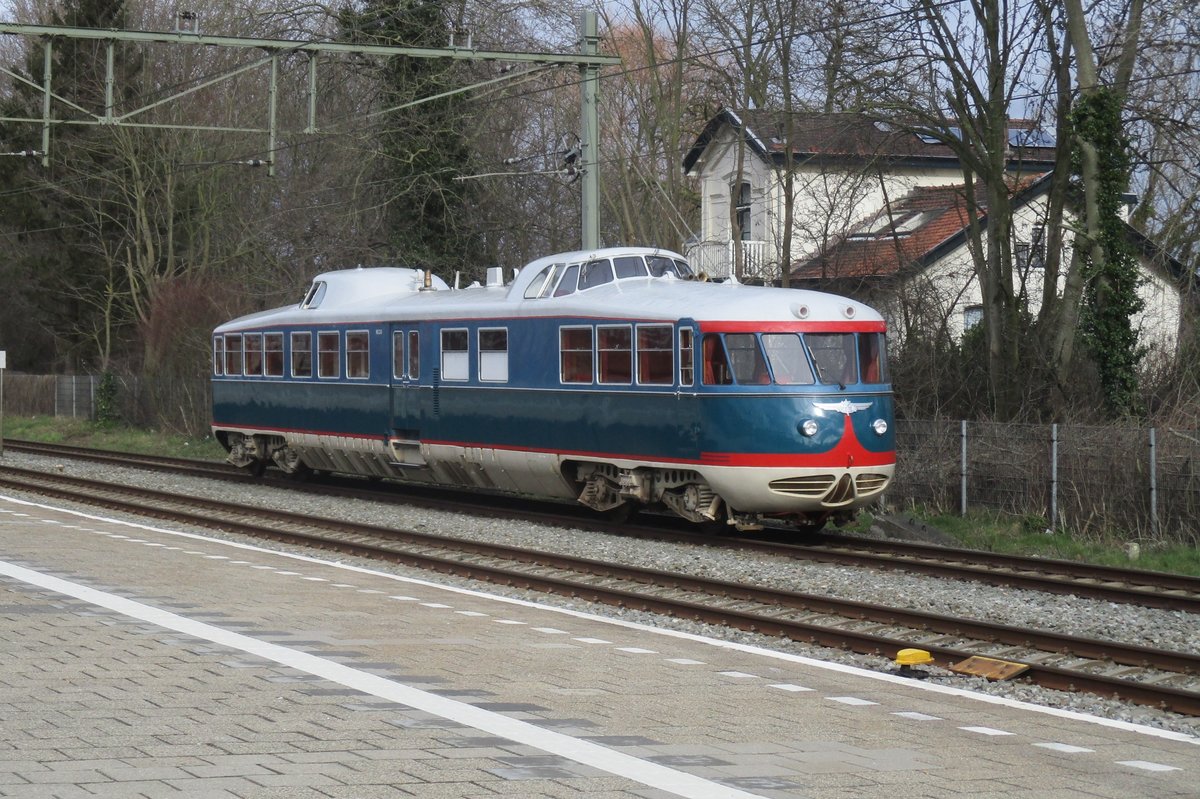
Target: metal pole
[1054, 476]
[271, 102]
[47, 61]
[1153, 486]
[963, 470]
[589, 120]
[3, 356]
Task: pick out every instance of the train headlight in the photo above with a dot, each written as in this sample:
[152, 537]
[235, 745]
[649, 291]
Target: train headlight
[879, 426]
[808, 427]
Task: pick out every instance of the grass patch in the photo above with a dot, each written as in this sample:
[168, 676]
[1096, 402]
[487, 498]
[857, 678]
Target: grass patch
[1015, 535]
[115, 437]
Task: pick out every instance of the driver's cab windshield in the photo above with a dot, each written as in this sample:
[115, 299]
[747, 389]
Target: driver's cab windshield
[790, 359]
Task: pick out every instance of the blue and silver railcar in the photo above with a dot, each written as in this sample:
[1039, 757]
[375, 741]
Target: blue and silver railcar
[612, 377]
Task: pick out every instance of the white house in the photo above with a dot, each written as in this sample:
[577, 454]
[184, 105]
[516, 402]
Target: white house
[882, 212]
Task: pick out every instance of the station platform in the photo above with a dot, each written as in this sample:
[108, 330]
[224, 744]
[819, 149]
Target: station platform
[140, 661]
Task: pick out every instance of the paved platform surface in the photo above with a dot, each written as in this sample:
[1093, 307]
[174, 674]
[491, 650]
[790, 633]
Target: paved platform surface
[143, 662]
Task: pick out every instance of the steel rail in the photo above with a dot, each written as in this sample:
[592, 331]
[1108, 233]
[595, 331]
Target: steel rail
[1178, 700]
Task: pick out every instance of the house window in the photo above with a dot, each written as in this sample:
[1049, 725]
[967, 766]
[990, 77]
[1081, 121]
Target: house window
[1031, 254]
[302, 355]
[742, 210]
[615, 348]
[972, 316]
[358, 354]
[575, 354]
[493, 354]
[273, 354]
[655, 355]
[329, 354]
[455, 355]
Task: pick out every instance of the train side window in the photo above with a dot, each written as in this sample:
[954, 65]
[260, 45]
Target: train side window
[834, 356]
[615, 347]
[233, 354]
[273, 354]
[595, 273]
[575, 354]
[456, 362]
[749, 366]
[252, 354]
[358, 354]
[329, 354]
[630, 266]
[218, 355]
[687, 368]
[655, 355]
[789, 364]
[493, 354]
[716, 365]
[301, 354]
[414, 355]
[398, 354]
[566, 285]
[872, 357]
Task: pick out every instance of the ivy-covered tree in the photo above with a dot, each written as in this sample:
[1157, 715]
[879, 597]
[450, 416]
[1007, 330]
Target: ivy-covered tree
[421, 144]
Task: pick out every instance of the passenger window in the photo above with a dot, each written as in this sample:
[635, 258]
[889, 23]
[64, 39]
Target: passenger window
[630, 266]
[655, 354]
[302, 355]
[414, 355]
[252, 353]
[872, 357]
[615, 346]
[567, 284]
[273, 354]
[686, 363]
[329, 356]
[493, 355]
[749, 367]
[834, 356]
[233, 354]
[716, 365]
[397, 355]
[455, 355]
[789, 364]
[575, 354]
[358, 354]
[595, 273]
[218, 355]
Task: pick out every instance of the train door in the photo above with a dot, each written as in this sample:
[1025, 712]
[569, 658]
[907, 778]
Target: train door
[406, 397]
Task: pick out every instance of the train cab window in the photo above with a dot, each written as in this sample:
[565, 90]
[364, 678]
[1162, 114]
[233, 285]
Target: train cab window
[716, 365]
[686, 364]
[273, 354]
[329, 355]
[218, 355]
[615, 348]
[567, 283]
[630, 266]
[358, 354]
[315, 295]
[456, 362]
[661, 266]
[595, 273]
[493, 354]
[834, 355]
[655, 355]
[540, 285]
[872, 357]
[252, 353]
[302, 355]
[749, 366]
[789, 364]
[575, 354]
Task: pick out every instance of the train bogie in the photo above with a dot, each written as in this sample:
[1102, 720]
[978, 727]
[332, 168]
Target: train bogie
[606, 378]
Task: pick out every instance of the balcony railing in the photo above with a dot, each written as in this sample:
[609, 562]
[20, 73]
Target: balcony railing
[716, 259]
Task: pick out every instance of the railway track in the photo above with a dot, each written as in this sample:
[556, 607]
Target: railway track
[1169, 680]
[1129, 586]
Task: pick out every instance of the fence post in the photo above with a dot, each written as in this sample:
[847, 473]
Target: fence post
[962, 501]
[1153, 487]
[1054, 476]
